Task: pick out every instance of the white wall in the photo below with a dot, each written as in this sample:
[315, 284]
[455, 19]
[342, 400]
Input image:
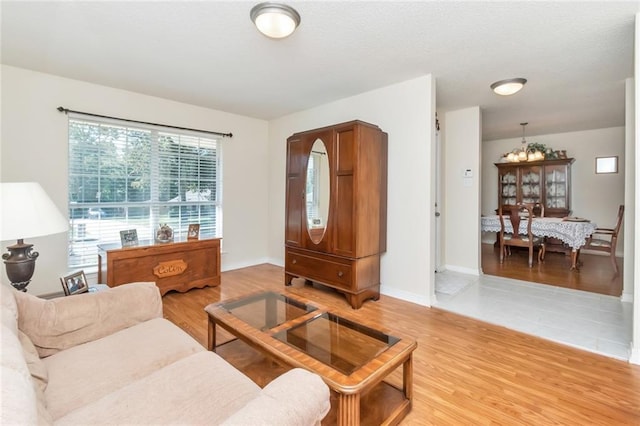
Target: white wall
[406, 112]
[629, 190]
[594, 196]
[461, 195]
[34, 148]
[634, 123]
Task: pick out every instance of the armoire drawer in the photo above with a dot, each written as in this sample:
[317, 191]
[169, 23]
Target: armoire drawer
[320, 269]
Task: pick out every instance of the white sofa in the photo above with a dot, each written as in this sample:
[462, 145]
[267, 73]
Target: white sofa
[111, 358]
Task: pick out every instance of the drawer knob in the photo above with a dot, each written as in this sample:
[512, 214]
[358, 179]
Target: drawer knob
[340, 274]
[294, 261]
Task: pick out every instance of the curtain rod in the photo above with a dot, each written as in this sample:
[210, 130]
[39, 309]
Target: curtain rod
[67, 111]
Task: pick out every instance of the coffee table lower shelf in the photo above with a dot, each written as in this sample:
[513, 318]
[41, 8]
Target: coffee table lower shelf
[384, 404]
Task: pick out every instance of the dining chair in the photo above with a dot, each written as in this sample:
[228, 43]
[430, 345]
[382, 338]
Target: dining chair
[518, 213]
[606, 239]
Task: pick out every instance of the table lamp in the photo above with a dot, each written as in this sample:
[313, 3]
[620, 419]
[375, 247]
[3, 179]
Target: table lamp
[26, 211]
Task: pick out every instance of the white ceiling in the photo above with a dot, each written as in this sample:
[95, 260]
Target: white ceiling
[575, 55]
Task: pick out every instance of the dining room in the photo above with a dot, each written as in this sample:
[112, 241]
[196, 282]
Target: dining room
[587, 307]
[576, 189]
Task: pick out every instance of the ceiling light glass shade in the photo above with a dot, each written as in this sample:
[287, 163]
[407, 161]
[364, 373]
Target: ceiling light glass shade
[275, 20]
[509, 86]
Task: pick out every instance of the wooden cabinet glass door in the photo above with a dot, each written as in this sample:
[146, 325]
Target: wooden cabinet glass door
[557, 187]
[530, 184]
[508, 186]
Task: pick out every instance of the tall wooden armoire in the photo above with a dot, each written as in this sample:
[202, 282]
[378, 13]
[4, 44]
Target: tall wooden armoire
[336, 208]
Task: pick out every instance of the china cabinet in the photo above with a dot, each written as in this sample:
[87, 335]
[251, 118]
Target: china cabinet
[537, 182]
[546, 183]
[336, 203]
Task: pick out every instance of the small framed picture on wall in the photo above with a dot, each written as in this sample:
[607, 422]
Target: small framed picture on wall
[606, 165]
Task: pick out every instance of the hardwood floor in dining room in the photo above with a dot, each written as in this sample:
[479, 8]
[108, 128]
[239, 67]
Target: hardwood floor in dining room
[465, 371]
[595, 274]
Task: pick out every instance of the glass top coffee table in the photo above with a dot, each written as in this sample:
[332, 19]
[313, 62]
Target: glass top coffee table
[351, 358]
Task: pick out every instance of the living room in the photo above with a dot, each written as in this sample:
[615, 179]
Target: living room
[252, 227]
[35, 148]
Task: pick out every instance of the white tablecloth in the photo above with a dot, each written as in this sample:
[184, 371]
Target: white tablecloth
[574, 234]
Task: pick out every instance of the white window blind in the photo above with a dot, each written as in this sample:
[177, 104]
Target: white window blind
[124, 176]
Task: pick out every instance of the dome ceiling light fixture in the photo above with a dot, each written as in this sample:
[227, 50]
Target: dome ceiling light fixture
[275, 20]
[509, 86]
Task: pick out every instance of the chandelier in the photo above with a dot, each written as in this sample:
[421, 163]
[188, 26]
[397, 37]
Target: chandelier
[525, 153]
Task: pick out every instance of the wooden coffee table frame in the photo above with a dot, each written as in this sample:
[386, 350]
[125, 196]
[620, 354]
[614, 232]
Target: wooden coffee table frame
[349, 388]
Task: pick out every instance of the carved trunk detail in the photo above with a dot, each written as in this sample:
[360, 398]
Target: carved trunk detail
[169, 269]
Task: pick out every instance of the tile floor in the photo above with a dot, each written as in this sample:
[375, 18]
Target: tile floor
[589, 321]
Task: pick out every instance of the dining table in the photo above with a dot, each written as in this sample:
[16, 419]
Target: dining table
[573, 232]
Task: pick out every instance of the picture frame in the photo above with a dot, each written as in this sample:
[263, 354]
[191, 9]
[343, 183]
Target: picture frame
[606, 165]
[75, 283]
[129, 238]
[193, 233]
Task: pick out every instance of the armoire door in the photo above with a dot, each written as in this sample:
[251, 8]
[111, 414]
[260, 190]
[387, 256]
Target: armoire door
[343, 194]
[295, 209]
[317, 219]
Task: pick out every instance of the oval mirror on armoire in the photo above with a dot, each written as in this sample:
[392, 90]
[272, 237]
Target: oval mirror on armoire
[317, 191]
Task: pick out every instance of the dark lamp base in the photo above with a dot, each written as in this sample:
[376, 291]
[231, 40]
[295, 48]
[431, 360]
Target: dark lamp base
[20, 264]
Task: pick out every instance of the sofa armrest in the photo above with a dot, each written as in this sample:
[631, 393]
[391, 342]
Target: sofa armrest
[57, 324]
[296, 398]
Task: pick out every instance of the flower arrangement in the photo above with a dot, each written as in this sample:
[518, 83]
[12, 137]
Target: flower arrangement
[537, 147]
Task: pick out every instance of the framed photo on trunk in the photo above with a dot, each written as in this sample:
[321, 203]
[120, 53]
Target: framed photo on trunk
[129, 238]
[194, 231]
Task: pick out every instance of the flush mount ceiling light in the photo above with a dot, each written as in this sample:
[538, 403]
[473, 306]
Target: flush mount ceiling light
[275, 20]
[509, 86]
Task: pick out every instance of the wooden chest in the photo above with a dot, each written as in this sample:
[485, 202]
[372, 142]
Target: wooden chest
[177, 266]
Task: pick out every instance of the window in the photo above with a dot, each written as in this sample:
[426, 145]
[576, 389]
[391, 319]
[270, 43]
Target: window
[138, 177]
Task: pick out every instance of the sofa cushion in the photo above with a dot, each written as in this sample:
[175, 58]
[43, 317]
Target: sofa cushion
[17, 394]
[36, 367]
[8, 308]
[85, 373]
[57, 324]
[200, 389]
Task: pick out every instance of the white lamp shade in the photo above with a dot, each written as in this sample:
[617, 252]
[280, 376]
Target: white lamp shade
[26, 211]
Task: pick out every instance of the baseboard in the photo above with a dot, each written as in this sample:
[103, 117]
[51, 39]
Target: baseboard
[600, 253]
[462, 270]
[634, 357]
[627, 297]
[276, 261]
[239, 265]
[405, 295]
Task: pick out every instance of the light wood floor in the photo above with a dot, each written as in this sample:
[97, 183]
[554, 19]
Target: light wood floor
[595, 275]
[466, 372]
